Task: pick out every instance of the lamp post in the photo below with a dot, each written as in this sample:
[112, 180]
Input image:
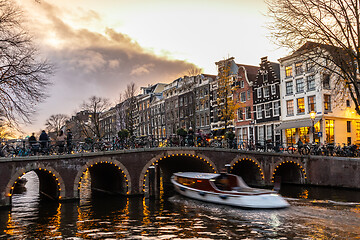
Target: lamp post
[312, 116]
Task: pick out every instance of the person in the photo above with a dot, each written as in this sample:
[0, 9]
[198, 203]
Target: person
[190, 137]
[60, 141]
[33, 143]
[69, 138]
[44, 139]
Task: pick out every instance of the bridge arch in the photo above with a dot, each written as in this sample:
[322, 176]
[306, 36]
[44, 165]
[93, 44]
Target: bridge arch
[290, 172]
[161, 157]
[249, 169]
[47, 176]
[90, 164]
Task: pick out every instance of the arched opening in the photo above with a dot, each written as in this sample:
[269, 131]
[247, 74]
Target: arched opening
[164, 168]
[249, 170]
[102, 178]
[290, 172]
[35, 185]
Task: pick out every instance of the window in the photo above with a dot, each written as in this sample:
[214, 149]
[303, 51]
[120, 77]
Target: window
[243, 97]
[289, 87]
[310, 66]
[269, 132]
[348, 104]
[288, 71]
[357, 130]
[242, 84]
[248, 112]
[327, 102]
[300, 106]
[268, 109]
[259, 110]
[329, 131]
[326, 81]
[298, 69]
[300, 85]
[248, 94]
[290, 107]
[261, 135]
[311, 104]
[273, 89]
[240, 114]
[310, 82]
[266, 92]
[259, 91]
[348, 126]
[277, 108]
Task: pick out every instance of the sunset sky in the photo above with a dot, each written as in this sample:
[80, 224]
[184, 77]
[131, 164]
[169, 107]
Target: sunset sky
[98, 47]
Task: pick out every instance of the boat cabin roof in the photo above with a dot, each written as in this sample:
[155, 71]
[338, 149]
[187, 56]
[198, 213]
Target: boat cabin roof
[197, 175]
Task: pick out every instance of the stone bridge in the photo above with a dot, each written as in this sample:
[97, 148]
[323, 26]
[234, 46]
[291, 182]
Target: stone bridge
[126, 171]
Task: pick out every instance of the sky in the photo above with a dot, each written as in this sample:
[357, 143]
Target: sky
[98, 47]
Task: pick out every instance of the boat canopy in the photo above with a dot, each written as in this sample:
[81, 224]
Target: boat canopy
[197, 175]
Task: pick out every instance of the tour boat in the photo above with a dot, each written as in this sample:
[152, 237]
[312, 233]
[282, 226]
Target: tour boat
[224, 188]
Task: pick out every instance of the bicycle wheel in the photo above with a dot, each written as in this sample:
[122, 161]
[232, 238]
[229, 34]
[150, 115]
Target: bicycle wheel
[305, 151]
[290, 149]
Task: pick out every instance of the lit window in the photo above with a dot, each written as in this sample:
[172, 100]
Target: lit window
[300, 106]
[327, 102]
[288, 71]
[329, 131]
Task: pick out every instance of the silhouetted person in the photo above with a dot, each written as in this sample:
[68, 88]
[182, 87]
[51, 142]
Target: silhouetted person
[44, 139]
[69, 138]
[60, 141]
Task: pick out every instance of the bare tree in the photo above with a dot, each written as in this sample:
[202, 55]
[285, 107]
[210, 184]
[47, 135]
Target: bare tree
[23, 76]
[55, 122]
[331, 30]
[94, 106]
[131, 102]
[194, 71]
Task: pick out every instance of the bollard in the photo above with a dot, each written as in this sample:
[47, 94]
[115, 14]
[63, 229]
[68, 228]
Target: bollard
[152, 181]
[227, 168]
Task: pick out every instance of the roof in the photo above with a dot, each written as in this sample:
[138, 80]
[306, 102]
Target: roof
[251, 71]
[335, 52]
[197, 175]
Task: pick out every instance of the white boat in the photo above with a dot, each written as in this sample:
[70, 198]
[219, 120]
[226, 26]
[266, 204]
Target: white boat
[224, 188]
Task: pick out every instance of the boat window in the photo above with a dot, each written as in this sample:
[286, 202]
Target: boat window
[186, 181]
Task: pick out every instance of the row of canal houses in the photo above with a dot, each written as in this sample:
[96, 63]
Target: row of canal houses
[273, 102]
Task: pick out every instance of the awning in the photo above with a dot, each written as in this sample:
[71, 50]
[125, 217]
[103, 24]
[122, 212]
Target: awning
[297, 123]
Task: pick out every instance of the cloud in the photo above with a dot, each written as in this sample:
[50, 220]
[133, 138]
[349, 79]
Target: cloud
[94, 63]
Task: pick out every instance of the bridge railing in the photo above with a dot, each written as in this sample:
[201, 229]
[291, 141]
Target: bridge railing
[22, 147]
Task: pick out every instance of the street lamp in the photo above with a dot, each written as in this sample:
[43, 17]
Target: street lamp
[312, 116]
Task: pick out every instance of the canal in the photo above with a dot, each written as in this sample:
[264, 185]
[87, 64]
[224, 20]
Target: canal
[315, 213]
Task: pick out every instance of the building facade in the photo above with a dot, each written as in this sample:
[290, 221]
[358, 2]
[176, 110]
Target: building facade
[307, 88]
[266, 95]
[243, 99]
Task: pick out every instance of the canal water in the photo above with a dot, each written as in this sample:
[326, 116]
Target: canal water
[315, 213]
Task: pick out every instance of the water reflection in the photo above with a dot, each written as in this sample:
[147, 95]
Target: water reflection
[176, 217]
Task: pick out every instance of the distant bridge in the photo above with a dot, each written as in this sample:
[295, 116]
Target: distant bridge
[126, 171]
